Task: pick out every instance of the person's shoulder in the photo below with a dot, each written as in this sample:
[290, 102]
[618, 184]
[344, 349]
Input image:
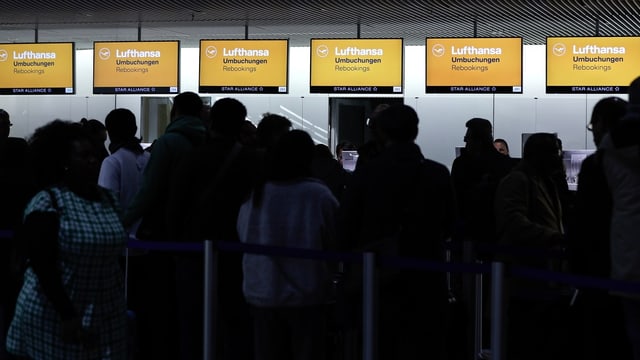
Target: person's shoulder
[435, 166]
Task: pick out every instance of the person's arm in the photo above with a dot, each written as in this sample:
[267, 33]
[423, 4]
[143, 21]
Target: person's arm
[154, 176]
[40, 233]
[110, 175]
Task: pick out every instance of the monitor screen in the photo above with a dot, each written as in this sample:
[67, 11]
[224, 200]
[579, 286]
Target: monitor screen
[136, 67]
[356, 66]
[583, 65]
[474, 65]
[572, 160]
[244, 66]
[37, 69]
[349, 159]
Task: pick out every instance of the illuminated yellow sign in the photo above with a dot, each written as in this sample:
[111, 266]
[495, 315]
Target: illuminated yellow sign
[474, 65]
[592, 64]
[40, 68]
[356, 65]
[244, 66]
[137, 67]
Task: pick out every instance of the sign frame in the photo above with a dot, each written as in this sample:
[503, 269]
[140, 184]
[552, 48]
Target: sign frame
[474, 89]
[141, 89]
[585, 89]
[357, 89]
[46, 90]
[243, 89]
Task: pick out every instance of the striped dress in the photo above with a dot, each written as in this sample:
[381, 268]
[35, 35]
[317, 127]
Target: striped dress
[90, 240]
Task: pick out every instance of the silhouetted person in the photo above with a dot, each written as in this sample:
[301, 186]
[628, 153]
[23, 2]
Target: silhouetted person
[529, 216]
[601, 326]
[71, 305]
[329, 170]
[372, 148]
[155, 297]
[288, 296]
[476, 174]
[98, 133]
[121, 172]
[402, 204]
[217, 179]
[248, 134]
[621, 162]
[16, 188]
[502, 146]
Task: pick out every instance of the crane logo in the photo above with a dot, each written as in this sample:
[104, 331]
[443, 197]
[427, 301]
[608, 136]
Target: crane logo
[211, 52]
[559, 49]
[437, 50]
[322, 51]
[104, 53]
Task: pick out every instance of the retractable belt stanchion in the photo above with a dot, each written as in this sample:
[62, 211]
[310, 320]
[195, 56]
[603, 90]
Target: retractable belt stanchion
[210, 305]
[369, 307]
[497, 311]
[478, 314]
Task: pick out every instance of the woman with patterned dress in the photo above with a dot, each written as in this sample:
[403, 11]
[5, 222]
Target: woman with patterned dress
[71, 305]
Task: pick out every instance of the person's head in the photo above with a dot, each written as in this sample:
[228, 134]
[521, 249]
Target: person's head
[479, 135]
[5, 124]
[542, 152]
[291, 156]
[227, 116]
[62, 153]
[186, 104]
[248, 134]
[606, 114]
[96, 130]
[271, 128]
[398, 124]
[322, 151]
[502, 146]
[374, 116]
[121, 125]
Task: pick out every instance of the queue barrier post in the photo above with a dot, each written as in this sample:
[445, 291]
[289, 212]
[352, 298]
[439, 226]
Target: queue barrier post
[210, 300]
[497, 311]
[369, 307]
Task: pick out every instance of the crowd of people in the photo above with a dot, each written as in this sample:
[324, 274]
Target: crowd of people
[73, 203]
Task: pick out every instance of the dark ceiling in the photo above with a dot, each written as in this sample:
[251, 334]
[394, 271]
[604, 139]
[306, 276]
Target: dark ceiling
[85, 21]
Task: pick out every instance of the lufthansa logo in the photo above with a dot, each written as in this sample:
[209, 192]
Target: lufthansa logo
[3, 55]
[437, 50]
[559, 49]
[322, 51]
[104, 53]
[211, 52]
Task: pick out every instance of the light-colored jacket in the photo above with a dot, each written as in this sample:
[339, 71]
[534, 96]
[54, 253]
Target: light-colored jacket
[296, 214]
[622, 170]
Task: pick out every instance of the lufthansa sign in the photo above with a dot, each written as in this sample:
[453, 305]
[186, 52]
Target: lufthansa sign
[474, 65]
[136, 67]
[356, 66]
[592, 64]
[37, 69]
[244, 66]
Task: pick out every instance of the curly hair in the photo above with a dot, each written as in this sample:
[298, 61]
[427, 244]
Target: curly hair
[50, 147]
